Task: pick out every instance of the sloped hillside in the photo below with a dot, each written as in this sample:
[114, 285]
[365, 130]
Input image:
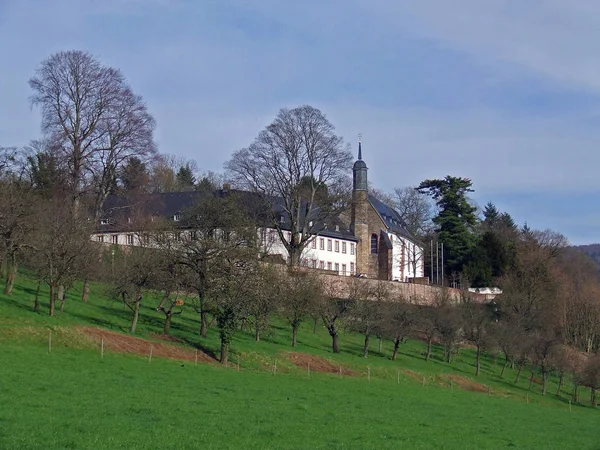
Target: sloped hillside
[592, 250]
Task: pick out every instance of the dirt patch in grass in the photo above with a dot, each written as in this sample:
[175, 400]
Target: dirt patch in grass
[463, 382]
[123, 343]
[414, 375]
[317, 364]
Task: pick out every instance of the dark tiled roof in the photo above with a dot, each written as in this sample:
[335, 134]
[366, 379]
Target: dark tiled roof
[117, 210]
[391, 218]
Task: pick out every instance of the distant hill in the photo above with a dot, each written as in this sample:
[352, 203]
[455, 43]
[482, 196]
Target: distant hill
[592, 250]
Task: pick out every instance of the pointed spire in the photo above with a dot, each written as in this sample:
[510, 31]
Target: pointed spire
[359, 146]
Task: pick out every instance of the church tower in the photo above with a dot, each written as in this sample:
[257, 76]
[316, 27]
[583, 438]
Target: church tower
[359, 222]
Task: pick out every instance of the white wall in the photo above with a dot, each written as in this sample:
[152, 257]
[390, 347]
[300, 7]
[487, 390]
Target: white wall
[412, 252]
[271, 244]
[330, 257]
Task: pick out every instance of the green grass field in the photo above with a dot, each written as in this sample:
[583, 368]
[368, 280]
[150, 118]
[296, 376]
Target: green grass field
[71, 398]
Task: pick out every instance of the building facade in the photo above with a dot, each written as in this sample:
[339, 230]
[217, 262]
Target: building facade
[375, 243]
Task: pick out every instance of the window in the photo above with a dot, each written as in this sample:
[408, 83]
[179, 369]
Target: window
[328, 265]
[322, 244]
[104, 222]
[352, 248]
[272, 236]
[314, 264]
[337, 228]
[374, 243]
[343, 269]
[351, 268]
[176, 217]
[281, 218]
[343, 247]
[305, 262]
[314, 243]
[130, 239]
[321, 264]
[328, 245]
[129, 220]
[337, 246]
[100, 238]
[115, 238]
[337, 267]
[310, 224]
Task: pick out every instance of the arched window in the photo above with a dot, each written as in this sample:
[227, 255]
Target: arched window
[374, 243]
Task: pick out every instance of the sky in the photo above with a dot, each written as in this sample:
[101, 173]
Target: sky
[504, 92]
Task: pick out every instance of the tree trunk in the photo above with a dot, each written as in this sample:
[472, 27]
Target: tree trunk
[478, 361]
[575, 395]
[63, 300]
[224, 351]
[336, 343]
[506, 361]
[396, 348]
[11, 275]
[315, 325]
[36, 302]
[257, 333]
[136, 314]
[380, 344]
[86, 291]
[519, 373]
[203, 324]
[531, 381]
[545, 375]
[164, 299]
[52, 299]
[561, 382]
[429, 341]
[168, 317]
[295, 335]
[593, 397]
[366, 345]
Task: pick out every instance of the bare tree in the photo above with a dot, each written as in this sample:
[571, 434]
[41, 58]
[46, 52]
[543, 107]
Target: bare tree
[302, 293]
[476, 326]
[416, 208]
[17, 222]
[93, 120]
[62, 250]
[399, 321]
[300, 168]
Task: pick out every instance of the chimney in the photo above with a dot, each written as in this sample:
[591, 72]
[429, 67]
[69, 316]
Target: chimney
[226, 187]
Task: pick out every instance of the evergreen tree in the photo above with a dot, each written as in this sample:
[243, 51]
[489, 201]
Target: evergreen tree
[456, 218]
[185, 178]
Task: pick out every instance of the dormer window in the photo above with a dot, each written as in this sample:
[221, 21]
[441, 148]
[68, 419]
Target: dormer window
[310, 224]
[281, 218]
[129, 220]
[104, 222]
[176, 217]
[337, 228]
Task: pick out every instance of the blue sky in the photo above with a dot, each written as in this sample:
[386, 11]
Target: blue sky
[504, 92]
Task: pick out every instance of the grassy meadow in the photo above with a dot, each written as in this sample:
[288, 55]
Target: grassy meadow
[72, 398]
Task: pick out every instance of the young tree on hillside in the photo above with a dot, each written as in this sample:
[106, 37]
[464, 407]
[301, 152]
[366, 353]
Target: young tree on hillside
[134, 272]
[455, 220]
[17, 222]
[333, 309]
[288, 164]
[218, 230]
[302, 292]
[93, 120]
[61, 247]
[366, 313]
[399, 321]
[476, 326]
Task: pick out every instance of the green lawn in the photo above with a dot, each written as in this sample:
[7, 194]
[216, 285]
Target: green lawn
[70, 398]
